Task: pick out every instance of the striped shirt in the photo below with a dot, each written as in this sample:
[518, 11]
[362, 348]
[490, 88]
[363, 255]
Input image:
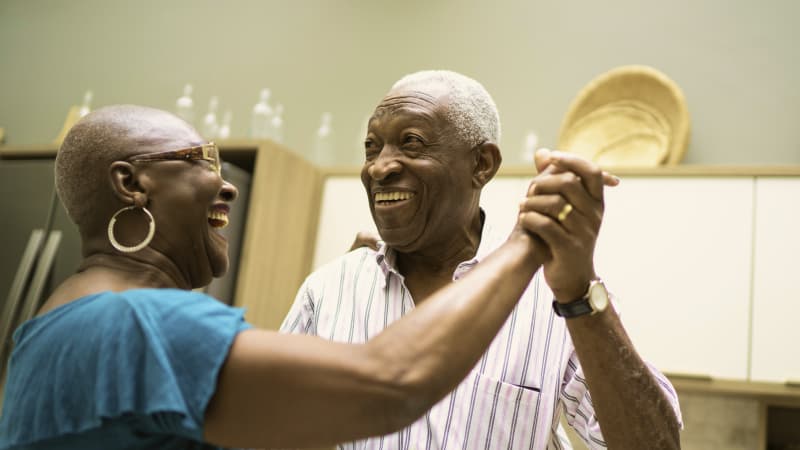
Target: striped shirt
[516, 393]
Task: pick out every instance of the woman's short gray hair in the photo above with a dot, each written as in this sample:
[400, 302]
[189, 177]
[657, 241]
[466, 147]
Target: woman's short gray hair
[471, 110]
[102, 137]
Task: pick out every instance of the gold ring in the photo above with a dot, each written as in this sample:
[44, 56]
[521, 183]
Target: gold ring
[562, 215]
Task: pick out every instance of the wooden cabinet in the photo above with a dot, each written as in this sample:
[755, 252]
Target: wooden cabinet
[282, 218]
[776, 281]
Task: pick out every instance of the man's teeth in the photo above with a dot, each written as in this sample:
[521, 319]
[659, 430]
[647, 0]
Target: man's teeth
[218, 219]
[392, 196]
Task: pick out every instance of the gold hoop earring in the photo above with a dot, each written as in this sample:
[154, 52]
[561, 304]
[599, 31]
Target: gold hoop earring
[123, 248]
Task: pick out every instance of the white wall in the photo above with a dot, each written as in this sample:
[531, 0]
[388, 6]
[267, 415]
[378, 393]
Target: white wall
[737, 61]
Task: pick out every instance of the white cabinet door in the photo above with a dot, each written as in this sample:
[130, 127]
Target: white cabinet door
[675, 251]
[500, 199]
[776, 281]
[677, 254]
[344, 211]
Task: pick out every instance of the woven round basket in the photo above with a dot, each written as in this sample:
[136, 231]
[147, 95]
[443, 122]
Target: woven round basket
[629, 116]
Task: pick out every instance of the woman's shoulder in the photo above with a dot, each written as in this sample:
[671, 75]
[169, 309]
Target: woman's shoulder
[164, 298]
[171, 301]
[169, 308]
[109, 310]
[132, 298]
[148, 299]
[117, 355]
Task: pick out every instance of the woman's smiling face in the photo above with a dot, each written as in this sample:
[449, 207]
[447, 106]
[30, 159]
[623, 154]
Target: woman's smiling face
[190, 202]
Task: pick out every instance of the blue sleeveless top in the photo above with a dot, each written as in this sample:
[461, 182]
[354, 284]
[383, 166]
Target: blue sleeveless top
[132, 370]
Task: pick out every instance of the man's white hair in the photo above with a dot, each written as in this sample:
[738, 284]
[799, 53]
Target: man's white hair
[471, 110]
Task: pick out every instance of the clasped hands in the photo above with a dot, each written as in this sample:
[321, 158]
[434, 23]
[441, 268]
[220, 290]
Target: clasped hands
[563, 211]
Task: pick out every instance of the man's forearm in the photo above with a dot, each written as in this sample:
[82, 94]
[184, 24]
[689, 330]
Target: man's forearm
[633, 411]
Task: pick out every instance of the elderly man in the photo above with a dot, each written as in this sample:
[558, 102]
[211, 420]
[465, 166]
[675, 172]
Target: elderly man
[432, 145]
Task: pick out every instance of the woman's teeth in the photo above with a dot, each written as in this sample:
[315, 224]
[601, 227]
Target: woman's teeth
[218, 219]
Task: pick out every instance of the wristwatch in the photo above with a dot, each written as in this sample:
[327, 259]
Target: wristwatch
[594, 301]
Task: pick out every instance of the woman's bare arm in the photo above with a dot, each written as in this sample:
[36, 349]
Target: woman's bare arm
[279, 390]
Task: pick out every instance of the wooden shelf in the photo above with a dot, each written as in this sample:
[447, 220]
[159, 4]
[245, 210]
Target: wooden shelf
[28, 151]
[773, 393]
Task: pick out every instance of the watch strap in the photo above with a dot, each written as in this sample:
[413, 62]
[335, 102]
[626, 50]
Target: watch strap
[575, 308]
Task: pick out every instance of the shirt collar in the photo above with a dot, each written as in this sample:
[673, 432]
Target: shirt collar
[386, 257]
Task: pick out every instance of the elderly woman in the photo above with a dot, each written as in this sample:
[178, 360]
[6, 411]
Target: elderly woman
[125, 355]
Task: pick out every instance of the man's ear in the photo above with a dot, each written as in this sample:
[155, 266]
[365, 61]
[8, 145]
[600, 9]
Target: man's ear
[487, 161]
[125, 184]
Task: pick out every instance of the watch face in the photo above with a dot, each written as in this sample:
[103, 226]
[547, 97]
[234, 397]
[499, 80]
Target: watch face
[598, 296]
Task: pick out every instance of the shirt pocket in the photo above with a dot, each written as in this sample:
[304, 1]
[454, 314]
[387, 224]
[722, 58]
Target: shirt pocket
[493, 414]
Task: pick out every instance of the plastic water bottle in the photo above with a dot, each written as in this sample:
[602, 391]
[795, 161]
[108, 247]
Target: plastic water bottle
[86, 106]
[184, 107]
[277, 124]
[262, 116]
[210, 125]
[322, 149]
[225, 129]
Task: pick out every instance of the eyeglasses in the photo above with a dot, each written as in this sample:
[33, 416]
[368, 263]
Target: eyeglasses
[206, 152]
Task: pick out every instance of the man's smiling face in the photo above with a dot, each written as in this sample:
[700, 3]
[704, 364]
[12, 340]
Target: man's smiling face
[417, 173]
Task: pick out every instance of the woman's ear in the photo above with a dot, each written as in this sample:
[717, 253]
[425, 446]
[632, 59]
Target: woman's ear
[125, 184]
[487, 162]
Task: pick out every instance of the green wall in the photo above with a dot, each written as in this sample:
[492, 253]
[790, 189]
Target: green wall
[737, 61]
